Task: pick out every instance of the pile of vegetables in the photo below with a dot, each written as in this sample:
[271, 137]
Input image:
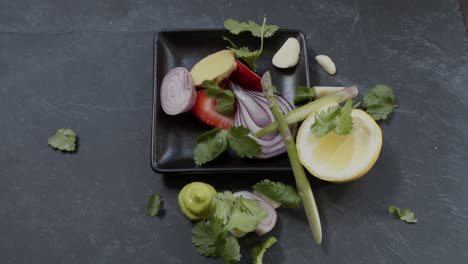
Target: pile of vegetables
[224, 93]
[224, 217]
[247, 115]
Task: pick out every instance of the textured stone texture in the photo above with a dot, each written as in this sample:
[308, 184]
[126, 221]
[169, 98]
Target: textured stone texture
[88, 65]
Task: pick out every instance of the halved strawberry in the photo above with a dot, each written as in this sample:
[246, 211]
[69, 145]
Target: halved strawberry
[205, 109]
[246, 78]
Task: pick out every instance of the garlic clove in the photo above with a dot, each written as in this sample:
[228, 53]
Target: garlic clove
[288, 55]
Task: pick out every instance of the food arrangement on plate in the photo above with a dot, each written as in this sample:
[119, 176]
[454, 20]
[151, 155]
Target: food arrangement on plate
[322, 130]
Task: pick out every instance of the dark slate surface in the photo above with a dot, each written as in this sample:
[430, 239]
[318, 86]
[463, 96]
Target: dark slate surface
[88, 65]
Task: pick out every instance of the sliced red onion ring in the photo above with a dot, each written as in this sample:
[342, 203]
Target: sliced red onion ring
[270, 220]
[254, 113]
[178, 92]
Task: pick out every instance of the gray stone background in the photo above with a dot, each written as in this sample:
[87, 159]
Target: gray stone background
[88, 65]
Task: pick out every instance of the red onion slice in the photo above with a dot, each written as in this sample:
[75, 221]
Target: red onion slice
[270, 220]
[178, 92]
[254, 113]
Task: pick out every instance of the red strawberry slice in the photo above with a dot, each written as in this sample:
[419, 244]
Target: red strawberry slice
[246, 78]
[205, 109]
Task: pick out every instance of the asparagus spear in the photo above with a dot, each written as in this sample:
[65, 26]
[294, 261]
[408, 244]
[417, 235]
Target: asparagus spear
[302, 183]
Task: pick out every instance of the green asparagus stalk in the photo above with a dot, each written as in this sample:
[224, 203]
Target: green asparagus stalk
[302, 183]
[301, 113]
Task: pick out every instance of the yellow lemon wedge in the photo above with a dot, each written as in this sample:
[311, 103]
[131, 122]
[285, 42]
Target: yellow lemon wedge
[340, 158]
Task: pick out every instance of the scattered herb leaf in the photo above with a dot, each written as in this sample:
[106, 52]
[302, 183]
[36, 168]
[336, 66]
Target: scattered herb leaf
[155, 204]
[214, 142]
[258, 252]
[64, 139]
[379, 102]
[210, 145]
[246, 215]
[334, 118]
[224, 97]
[278, 192]
[236, 27]
[241, 143]
[261, 31]
[211, 240]
[303, 93]
[212, 237]
[224, 204]
[238, 212]
[406, 215]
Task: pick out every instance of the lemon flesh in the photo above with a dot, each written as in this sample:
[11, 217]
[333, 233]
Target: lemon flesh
[340, 158]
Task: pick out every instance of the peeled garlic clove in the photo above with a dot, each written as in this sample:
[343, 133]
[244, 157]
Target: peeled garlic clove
[326, 63]
[288, 55]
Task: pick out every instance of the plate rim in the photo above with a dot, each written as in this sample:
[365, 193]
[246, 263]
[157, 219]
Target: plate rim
[202, 170]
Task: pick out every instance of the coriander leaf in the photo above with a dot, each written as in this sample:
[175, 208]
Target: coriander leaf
[242, 144]
[261, 31]
[278, 192]
[214, 142]
[406, 215]
[394, 210]
[246, 215]
[334, 118]
[357, 105]
[224, 97]
[379, 112]
[303, 93]
[224, 204]
[344, 122]
[210, 145]
[155, 204]
[229, 250]
[244, 52]
[249, 57]
[324, 121]
[379, 102]
[236, 27]
[258, 252]
[205, 235]
[64, 139]
[212, 241]
[242, 221]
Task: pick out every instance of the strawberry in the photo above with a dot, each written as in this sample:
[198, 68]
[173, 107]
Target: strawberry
[205, 109]
[246, 78]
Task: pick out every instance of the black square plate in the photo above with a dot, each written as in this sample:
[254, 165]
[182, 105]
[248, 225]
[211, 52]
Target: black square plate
[174, 137]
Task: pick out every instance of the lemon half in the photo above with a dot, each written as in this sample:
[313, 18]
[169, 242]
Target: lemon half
[340, 158]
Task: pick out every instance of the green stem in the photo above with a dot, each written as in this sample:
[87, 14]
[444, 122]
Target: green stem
[302, 183]
[301, 113]
[261, 38]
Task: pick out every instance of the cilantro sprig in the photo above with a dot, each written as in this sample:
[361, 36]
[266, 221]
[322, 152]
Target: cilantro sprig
[379, 102]
[334, 118]
[261, 31]
[213, 237]
[407, 215]
[212, 240]
[214, 142]
[224, 97]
